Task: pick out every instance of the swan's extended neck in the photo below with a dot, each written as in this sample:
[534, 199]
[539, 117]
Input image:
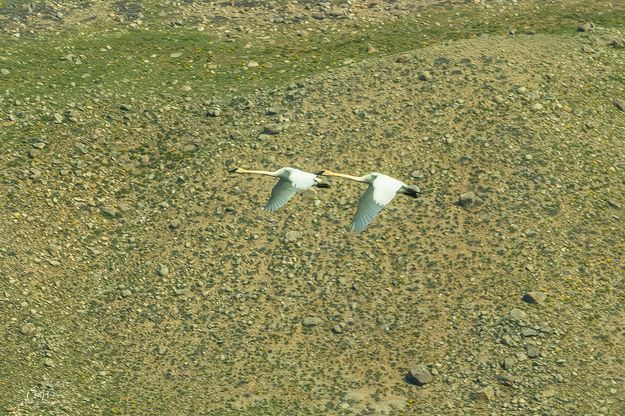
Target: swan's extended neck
[257, 172]
[342, 175]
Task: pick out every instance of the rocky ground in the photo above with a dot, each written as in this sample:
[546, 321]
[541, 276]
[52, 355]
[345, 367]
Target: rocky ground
[138, 277]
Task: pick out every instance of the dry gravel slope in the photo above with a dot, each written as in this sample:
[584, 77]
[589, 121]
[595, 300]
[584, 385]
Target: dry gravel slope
[140, 278]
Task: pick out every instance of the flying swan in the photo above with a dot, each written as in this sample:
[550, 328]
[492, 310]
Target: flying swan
[291, 182]
[382, 189]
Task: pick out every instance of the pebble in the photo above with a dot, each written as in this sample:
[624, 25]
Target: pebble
[292, 236]
[272, 111]
[48, 362]
[53, 249]
[252, 64]
[162, 349]
[548, 392]
[272, 129]
[508, 363]
[174, 224]
[420, 375]
[517, 314]
[27, 329]
[425, 76]
[337, 329]
[506, 379]
[585, 27]
[311, 321]
[125, 107]
[5, 71]
[58, 119]
[417, 174]
[467, 199]
[533, 351]
[175, 54]
[485, 394]
[535, 297]
[215, 112]
[498, 99]
[163, 270]
[529, 332]
[537, 107]
[126, 293]
[109, 211]
[620, 104]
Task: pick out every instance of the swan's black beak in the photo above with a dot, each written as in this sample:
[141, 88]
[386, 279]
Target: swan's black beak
[320, 173]
[233, 170]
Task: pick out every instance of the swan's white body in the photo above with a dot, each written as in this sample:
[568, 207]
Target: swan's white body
[381, 191]
[291, 181]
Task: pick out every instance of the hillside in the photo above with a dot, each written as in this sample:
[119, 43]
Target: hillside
[137, 276]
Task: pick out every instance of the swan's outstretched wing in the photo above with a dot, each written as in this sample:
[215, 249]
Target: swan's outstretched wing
[366, 211]
[280, 194]
[379, 193]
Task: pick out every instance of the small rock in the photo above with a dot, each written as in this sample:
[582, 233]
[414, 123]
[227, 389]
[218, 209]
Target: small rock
[27, 329]
[4, 71]
[506, 379]
[163, 270]
[34, 153]
[425, 76]
[485, 394]
[620, 104]
[311, 321]
[252, 64]
[272, 111]
[529, 332]
[371, 49]
[537, 107]
[414, 188]
[508, 363]
[215, 112]
[126, 293]
[58, 118]
[517, 314]
[617, 43]
[123, 207]
[533, 351]
[272, 129]
[162, 349]
[174, 224]
[417, 174]
[419, 375]
[585, 27]
[337, 329]
[292, 236]
[125, 107]
[535, 297]
[498, 99]
[467, 199]
[548, 392]
[175, 54]
[48, 362]
[109, 211]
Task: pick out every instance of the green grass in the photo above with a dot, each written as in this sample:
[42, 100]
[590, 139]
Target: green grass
[137, 63]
